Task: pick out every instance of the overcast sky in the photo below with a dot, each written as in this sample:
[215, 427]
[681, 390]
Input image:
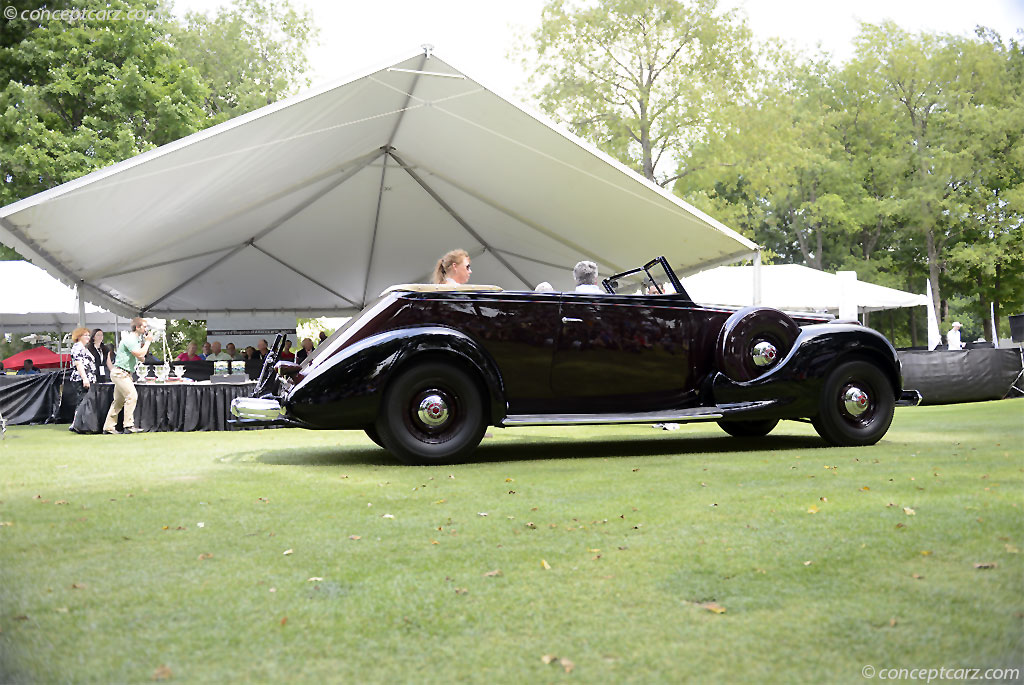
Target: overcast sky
[477, 35]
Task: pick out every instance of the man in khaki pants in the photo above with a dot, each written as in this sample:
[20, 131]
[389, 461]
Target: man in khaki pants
[133, 348]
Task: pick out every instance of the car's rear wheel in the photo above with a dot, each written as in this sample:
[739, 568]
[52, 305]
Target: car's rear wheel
[856, 406]
[432, 413]
[753, 341]
[749, 429]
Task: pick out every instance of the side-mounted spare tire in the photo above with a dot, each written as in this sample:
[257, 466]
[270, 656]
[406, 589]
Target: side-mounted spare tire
[753, 341]
[432, 413]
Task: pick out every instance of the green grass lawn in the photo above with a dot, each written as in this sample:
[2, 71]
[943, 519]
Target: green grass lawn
[287, 555]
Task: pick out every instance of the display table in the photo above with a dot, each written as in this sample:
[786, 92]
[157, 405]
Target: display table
[165, 406]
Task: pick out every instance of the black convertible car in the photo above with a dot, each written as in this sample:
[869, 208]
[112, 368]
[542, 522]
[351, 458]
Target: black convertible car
[426, 369]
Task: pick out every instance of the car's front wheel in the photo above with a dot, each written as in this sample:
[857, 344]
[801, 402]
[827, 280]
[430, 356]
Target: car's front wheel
[372, 434]
[432, 413]
[856, 406]
[748, 429]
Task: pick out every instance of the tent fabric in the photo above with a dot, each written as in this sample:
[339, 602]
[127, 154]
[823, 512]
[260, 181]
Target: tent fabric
[41, 357]
[316, 204]
[32, 300]
[792, 287]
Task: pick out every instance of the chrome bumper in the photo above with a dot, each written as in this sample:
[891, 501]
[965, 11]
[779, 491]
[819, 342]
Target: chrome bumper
[909, 398]
[256, 409]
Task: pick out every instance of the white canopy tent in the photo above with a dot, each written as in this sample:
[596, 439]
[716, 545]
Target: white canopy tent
[33, 301]
[794, 287]
[314, 205]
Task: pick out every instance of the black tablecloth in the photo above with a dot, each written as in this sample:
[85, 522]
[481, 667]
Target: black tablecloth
[165, 407]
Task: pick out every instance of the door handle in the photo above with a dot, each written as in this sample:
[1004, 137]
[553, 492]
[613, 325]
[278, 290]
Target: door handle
[570, 319]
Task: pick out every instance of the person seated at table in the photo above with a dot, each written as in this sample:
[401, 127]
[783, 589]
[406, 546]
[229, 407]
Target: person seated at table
[29, 367]
[190, 354]
[304, 351]
[236, 355]
[207, 350]
[216, 355]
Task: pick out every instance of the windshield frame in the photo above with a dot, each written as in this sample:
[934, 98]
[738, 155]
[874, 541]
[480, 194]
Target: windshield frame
[611, 283]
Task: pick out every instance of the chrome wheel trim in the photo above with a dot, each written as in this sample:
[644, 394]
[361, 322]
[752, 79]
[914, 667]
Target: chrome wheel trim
[855, 401]
[764, 354]
[433, 411]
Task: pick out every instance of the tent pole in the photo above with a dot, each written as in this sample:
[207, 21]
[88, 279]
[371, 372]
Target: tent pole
[273, 225]
[376, 224]
[308, 278]
[757, 278]
[462, 222]
[81, 303]
[580, 249]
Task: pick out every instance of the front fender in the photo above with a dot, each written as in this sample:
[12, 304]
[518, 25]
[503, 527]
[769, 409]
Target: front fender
[346, 390]
[796, 382]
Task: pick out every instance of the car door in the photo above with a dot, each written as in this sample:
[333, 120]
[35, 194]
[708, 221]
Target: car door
[622, 354]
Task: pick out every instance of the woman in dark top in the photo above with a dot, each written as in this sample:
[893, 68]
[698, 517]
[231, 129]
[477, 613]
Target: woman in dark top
[99, 351]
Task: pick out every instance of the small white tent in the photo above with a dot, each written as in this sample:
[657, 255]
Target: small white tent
[33, 301]
[794, 287]
[314, 205]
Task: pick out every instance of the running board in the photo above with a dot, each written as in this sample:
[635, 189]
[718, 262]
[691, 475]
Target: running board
[678, 416]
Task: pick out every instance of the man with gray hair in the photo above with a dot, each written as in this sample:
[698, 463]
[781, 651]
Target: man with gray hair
[585, 273]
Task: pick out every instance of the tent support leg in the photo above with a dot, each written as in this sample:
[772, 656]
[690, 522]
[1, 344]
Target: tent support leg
[462, 222]
[757, 278]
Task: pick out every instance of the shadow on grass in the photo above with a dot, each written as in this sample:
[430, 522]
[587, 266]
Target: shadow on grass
[531, 449]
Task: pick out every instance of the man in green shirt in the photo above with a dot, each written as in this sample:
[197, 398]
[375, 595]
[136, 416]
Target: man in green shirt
[132, 350]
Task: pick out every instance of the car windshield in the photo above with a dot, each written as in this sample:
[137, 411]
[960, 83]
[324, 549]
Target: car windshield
[654, 278]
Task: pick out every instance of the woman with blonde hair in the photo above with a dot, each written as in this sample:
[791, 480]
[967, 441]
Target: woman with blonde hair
[83, 366]
[453, 268]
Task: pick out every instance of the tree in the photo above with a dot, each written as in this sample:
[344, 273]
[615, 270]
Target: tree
[640, 78]
[83, 94]
[249, 55]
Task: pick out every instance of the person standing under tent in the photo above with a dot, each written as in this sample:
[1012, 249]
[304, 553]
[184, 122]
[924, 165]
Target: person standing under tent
[100, 355]
[83, 366]
[132, 350]
[953, 337]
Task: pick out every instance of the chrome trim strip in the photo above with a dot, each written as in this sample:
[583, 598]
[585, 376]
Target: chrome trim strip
[599, 419]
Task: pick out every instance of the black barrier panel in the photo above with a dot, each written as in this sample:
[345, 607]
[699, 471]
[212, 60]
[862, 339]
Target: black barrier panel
[31, 398]
[165, 407]
[944, 377]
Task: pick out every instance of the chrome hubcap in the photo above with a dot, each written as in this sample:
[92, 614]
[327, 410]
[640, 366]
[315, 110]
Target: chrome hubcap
[433, 411]
[856, 401]
[764, 353]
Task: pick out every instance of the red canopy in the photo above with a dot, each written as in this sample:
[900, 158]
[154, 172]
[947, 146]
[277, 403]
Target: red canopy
[41, 357]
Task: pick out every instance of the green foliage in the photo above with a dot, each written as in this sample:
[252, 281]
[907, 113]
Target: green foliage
[639, 78]
[79, 95]
[180, 332]
[249, 55]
